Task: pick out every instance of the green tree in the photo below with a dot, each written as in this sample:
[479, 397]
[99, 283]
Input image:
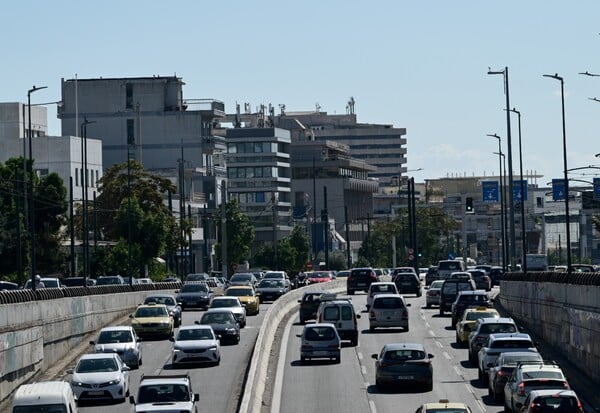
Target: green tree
[50, 208]
[154, 229]
[299, 241]
[292, 253]
[240, 235]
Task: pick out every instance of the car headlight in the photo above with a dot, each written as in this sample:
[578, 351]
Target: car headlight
[114, 381]
[230, 330]
[76, 383]
[213, 348]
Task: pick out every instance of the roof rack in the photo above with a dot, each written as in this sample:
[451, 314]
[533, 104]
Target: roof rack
[160, 377]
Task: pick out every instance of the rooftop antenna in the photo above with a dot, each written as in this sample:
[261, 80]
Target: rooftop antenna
[350, 106]
[317, 107]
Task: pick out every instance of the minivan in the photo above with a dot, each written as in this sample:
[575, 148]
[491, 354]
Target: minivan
[450, 289]
[341, 314]
[50, 396]
[447, 267]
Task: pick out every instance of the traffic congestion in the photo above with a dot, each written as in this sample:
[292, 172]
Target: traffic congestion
[375, 340]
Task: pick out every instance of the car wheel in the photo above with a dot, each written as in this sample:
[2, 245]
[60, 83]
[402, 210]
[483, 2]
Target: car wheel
[471, 357]
[429, 386]
[427, 305]
[354, 341]
[371, 328]
[506, 408]
[457, 340]
[338, 360]
[301, 320]
[350, 292]
[441, 311]
[302, 359]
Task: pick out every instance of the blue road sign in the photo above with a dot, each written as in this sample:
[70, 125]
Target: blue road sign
[517, 196]
[558, 189]
[489, 191]
[596, 188]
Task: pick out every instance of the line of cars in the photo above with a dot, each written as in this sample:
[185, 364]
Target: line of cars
[507, 359]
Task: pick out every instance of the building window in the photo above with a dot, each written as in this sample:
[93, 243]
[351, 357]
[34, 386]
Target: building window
[260, 197]
[539, 202]
[76, 176]
[130, 132]
[129, 96]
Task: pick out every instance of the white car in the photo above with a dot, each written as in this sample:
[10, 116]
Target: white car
[501, 343]
[120, 340]
[233, 304]
[196, 344]
[100, 377]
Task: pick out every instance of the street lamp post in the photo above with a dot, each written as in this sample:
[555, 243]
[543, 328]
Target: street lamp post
[502, 200]
[512, 252]
[523, 232]
[565, 172]
[31, 200]
[84, 198]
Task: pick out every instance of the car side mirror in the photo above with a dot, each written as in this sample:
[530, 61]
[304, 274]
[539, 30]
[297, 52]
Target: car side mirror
[69, 371]
[430, 356]
[299, 301]
[93, 343]
[196, 397]
[490, 364]
[176, 291]
[374, 356]
[197, 322]
[125, 368]
[298, 335]
[130, 315]
[357, 315]
[408, 304]
[172, 338]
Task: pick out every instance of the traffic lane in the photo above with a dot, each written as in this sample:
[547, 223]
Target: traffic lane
[451, 379]
[219, 386]
[318, 385]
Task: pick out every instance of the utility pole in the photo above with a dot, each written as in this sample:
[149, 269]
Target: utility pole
[347, 224]
[325, 221]
[274, 211]
[224, 265]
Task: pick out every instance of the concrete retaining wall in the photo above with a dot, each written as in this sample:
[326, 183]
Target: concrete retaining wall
[36, 335]
[566, 316]
[257, 375]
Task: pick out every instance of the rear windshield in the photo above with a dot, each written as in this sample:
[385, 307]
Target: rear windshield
[404, 355]
[567, 404]
[541, 374]
[512, 344]
[41, 408]
[194, 288]
[333, 313]
[388, 302]
[497, 328]
[319, 333]
[361, 273]
[453, 287]
[450, 265]
[383, 288]
[474, 315]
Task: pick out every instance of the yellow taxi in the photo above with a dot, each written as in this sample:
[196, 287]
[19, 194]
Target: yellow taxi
[444, 406]
[247, 296]
[152, 320]
[466, 323]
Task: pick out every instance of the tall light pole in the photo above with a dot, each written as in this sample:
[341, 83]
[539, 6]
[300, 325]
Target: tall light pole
[502, 200]
[84, 198]
[566, 178]
[512, 251]
[31, 200]
[523, 233]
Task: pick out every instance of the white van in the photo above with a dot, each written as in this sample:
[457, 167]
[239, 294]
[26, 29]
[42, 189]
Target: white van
[447, 267]
[340, 313]
[47, 396]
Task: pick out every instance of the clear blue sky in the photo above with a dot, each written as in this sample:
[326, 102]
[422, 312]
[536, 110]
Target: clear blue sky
[420, 65]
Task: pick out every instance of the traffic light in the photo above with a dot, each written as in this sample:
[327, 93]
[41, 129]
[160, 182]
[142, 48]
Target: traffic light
[469, 206]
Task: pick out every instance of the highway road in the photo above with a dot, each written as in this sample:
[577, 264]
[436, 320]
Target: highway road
[322, 386]
[219, 386]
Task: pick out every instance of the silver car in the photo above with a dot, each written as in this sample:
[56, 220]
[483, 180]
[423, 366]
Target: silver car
[388, 310]
[121, 340]
[234, 305]
[320, 340]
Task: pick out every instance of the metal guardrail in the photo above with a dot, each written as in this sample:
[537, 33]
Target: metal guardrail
[23, 296]
[574, 278]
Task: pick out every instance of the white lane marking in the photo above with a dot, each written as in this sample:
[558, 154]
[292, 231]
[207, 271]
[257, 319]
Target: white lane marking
[457, 370]
[439, 344]
[427, 325]
[448, 356]
[360, 356]
[363, 369]
[431, 333]
[372, 406]
[278, 385]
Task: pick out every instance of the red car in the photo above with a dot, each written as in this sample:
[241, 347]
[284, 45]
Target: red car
[319, 277]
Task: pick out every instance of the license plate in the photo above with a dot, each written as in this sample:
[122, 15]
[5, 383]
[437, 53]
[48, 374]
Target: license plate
[405, 377]
[389, 313]
[320, 353]
[191, 302]
[96, 393]
[360, 284]
[406, 284]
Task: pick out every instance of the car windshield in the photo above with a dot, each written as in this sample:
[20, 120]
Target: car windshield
[97, 365]
[436, 284]
[217, 318]
[320, 275]
[475, 315]
[497, 328]
[542, 374]
[224, 303]
[163, 393]
[511, 344]
[239, 292]
[513, 360]
[319, 333]
[241, 277]
[404, 354]
[188, 334]
[41, 408]
[383, 288]
[388, 302]
[194, 288]
[114, 336]
[168, 301]
[270, 283]
[273, 275]
[472, 298]
[555, 403]
[108, 281]
[447, 410]
[151, 312]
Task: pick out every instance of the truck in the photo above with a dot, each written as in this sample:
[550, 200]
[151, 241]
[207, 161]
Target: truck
[536, 262]
[171, 394]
